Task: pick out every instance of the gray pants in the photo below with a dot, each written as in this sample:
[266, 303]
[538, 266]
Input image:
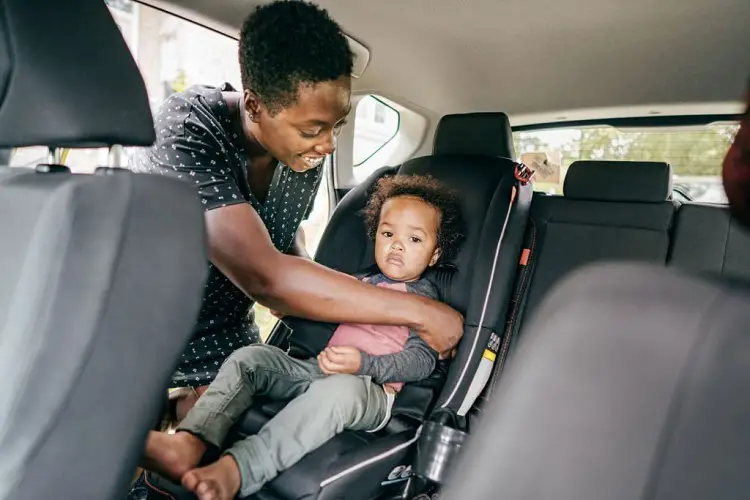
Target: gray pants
[321, 406]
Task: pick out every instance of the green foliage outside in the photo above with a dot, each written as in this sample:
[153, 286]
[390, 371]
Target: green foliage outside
[691, 152]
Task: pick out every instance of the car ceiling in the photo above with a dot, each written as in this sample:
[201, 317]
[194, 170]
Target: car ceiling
[537, 58]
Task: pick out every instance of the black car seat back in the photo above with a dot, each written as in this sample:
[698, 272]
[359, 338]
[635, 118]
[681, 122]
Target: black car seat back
[610, 210]
[100, 275]
[628, 384]
[708, 239]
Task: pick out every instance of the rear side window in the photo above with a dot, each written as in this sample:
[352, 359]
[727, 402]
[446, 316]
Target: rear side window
[171, 53]
[695, 153]
[376, 128]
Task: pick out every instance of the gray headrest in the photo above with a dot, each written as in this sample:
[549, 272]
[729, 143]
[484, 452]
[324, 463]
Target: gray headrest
[635, 181]
[67, 78]
[486, 134]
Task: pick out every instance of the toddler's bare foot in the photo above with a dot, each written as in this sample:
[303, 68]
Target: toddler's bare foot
[172, 455]
[218, 481]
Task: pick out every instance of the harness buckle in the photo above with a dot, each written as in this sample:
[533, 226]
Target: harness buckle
[523, 174]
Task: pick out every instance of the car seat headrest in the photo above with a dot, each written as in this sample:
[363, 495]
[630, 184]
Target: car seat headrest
[67, 78]
[486, 134]
[625, 181]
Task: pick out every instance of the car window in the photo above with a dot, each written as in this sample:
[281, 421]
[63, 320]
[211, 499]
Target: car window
[695, 153]
[376, 135]
[171, 53]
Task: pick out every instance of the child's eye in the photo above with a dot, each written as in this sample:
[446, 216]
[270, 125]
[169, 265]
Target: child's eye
[387, 234]
[415, 239]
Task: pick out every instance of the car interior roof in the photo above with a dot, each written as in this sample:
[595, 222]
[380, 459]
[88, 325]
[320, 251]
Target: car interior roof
[537, 60]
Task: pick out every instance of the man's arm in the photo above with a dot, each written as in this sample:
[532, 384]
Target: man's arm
[416, 362]
[239, 245]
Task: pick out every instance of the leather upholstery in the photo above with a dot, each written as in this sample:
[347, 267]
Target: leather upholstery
[628, 181]
[629, 384]
[47, 99]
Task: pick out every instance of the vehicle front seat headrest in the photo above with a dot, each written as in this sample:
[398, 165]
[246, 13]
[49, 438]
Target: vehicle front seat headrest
[48, 98]
[487, 134]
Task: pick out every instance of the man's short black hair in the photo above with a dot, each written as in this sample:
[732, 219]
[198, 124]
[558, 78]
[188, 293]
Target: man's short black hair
[288, 42]
[450, 232]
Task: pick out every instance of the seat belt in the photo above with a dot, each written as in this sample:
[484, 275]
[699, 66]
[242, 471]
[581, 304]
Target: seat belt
[496, 344]
[512, 324]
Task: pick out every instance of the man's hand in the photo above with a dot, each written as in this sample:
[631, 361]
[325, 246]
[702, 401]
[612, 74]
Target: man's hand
[340, 359]
[442, 327]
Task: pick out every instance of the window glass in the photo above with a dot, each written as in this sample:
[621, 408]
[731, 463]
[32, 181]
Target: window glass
[171, 53]
[376, 127]
[28, 157]
[695, 153]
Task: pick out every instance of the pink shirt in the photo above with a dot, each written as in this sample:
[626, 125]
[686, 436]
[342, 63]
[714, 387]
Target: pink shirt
[375, 340]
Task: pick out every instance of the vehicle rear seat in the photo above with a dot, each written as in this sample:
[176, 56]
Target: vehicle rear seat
[708, 239]
[609, 211]
[621, 211]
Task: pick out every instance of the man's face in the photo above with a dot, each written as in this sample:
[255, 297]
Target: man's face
[303, 134]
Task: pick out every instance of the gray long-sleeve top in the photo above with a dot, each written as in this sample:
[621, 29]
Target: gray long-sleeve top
[417, 360]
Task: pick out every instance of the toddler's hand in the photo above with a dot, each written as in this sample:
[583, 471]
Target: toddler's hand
[340, 359]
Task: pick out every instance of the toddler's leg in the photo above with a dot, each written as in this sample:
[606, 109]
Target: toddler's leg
[329, 406]
[249, 371]
[253, 370]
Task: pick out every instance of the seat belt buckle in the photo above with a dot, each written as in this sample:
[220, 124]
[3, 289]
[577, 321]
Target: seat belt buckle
[523, 174]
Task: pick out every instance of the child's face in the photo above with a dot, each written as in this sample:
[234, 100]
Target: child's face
[406, 241]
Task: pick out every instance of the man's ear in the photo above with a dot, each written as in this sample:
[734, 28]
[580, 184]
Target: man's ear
[435, 257]
[252, 104]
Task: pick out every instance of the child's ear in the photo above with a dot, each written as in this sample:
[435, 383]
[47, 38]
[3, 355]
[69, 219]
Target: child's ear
[435, 257]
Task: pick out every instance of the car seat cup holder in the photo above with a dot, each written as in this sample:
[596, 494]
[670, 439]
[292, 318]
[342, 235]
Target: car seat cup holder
[437, 449]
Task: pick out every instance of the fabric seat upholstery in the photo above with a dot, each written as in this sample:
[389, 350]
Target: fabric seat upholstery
[100, 275]
[708, 239]
[628, 384]
[609, 211]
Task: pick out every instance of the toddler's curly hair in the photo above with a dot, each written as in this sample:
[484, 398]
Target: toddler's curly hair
[450, 233]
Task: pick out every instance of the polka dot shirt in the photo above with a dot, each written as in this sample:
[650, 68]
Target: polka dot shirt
[197, 143]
